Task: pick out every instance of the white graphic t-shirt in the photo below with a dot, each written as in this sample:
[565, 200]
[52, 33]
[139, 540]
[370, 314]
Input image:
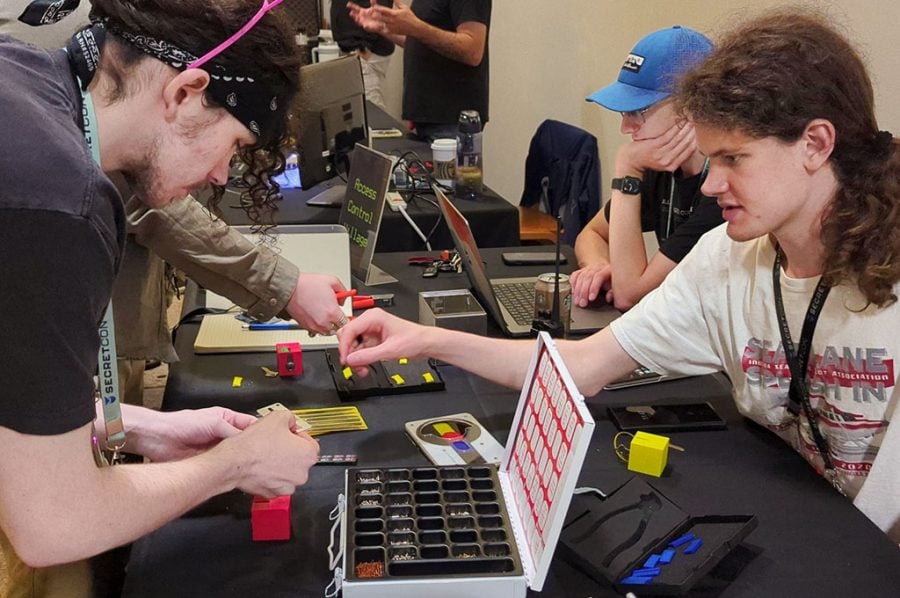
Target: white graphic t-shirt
[716, 311]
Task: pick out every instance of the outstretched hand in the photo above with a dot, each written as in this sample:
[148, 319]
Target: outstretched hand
[377, 335]
[383, 20]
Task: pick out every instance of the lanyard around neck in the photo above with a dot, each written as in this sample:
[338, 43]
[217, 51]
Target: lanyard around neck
[694, 201]
[798, 360]
[106, 358]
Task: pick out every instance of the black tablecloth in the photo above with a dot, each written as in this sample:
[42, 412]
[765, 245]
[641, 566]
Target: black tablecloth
[809, 541]
[494, 221]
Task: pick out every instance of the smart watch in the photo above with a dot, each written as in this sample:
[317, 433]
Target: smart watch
[628, 185]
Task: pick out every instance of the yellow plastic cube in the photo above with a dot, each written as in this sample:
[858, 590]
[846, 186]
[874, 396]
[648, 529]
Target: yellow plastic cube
[648, 453]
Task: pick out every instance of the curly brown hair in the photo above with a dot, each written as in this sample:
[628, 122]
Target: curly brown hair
[770, 77]
[267, 51]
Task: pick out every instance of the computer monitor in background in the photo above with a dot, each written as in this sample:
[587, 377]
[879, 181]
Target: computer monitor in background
[331, 120]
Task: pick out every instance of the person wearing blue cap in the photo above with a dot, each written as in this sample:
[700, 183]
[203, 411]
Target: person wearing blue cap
[656, 184]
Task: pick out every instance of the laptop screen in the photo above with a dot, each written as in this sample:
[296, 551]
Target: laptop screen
[468, 251]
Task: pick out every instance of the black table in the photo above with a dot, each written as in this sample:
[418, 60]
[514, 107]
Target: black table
[809, 542]
[494, 221]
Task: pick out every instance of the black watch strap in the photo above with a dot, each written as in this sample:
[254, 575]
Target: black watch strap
[628, 185]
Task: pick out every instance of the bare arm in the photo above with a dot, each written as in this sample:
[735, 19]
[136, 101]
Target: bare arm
[632, 276]
[376, 335]
[466, 44]
[592, 243]
[57, 506]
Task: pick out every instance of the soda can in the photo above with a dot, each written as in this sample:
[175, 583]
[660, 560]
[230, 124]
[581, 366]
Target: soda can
[544, 289]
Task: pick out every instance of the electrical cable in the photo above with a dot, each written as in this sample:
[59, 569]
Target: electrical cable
[415, 227]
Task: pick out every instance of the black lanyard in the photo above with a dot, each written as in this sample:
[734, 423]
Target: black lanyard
[694, 200]
[798, 361]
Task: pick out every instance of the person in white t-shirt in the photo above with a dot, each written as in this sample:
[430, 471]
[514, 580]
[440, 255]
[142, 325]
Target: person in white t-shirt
[784, 110]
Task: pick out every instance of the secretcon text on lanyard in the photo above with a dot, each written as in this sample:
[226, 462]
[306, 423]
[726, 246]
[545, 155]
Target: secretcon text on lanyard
[107, 368]
[798, 362]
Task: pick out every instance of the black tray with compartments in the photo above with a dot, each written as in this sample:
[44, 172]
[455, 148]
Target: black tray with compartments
[396, 376]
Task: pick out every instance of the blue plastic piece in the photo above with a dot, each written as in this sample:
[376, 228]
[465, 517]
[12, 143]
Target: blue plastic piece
[461, 445]
[637, 580]
[682, 540]
[646, 572]
[693, 546]
[652, 561]
[667, 556]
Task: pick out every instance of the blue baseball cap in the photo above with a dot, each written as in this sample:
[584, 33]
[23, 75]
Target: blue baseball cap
[652, 68]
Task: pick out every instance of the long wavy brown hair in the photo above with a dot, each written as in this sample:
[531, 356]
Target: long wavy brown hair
[268, 51]
[770, 77]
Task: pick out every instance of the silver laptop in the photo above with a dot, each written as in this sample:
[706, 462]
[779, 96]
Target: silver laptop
[510, 301]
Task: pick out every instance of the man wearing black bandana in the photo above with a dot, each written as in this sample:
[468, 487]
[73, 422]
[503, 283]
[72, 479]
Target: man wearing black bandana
[187, 237]
[169, 128]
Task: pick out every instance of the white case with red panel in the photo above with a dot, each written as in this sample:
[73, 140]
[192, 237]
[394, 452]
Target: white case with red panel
[444, 532]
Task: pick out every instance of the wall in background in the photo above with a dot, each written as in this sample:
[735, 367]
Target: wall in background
[546, 57]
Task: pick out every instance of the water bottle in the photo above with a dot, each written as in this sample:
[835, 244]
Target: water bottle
[469, 173]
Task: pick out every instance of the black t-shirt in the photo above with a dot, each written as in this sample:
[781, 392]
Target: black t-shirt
[436, 88]
[692, 214]
[350, 36]
[63, 230]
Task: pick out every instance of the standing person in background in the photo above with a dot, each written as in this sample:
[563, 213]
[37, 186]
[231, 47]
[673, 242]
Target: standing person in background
[373, 49]
[445, 58]
[657, 177]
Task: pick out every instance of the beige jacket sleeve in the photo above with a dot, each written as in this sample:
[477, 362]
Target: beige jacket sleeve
[218, 258]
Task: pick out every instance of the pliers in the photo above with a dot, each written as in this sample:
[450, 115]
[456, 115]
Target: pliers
[365, 301]
[647, 504]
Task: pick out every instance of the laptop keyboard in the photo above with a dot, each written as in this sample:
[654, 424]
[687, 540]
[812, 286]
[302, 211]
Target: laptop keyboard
[518, 299]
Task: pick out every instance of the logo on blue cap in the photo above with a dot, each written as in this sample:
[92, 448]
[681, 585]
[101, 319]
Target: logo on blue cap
[633, 63]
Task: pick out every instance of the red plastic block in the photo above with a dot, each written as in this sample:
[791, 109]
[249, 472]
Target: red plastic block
[271, 519]
[290, 359]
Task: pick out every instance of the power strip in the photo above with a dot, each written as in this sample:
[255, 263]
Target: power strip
[395, 201]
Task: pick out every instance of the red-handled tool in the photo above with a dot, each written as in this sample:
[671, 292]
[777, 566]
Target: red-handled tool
[367, 301]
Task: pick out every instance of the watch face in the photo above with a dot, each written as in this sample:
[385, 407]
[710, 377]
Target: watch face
[631, 185]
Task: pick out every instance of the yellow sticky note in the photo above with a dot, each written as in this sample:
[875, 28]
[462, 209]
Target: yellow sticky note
[236, 381]
[348, 372]
[398, 379]
[428, 377]
[403, 361]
